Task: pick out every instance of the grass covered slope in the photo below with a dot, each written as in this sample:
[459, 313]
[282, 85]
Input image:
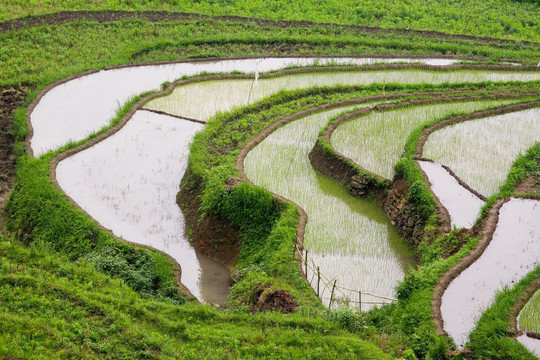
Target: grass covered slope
[51, 308]
[44, 54]
[491, 18]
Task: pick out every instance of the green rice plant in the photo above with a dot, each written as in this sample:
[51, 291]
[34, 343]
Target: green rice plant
[358, 247]
[376, 141]
[481, 151]
[529, 318]
[201, 100]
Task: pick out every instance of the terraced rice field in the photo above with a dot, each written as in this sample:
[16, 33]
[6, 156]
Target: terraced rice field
[512, 253]
[463, 206]
[529, 322]
[375, 141]
[462, 147]
[359, 247]
[193, 100]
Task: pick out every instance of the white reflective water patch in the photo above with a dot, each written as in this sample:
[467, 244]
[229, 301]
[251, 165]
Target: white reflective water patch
[77, 108]
[129, 181]
[513, 252]
[462, 205]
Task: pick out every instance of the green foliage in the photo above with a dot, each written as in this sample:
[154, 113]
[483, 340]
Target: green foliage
[39, 214]
[53, 308]
[44, 54]
[494, 18]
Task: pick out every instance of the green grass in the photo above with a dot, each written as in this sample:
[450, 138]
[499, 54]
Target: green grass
[46, 310]
[494, 18]
[47, 53]
[51, 308]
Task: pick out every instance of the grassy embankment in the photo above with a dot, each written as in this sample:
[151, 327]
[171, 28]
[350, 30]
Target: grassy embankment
[516, 20]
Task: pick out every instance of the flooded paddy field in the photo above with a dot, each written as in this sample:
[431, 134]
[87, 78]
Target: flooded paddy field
[481, 151]
[350, 239]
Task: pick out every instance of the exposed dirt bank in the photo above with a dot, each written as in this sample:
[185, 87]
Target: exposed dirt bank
[209, 234]
[10, 99]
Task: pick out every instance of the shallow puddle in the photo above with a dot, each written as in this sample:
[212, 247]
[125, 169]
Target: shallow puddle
[513, 252]
[129, 182]
[350, 239]
[482, 151]
[462, 205]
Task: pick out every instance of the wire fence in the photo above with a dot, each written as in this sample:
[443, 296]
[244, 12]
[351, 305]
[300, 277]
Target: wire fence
[334, 295]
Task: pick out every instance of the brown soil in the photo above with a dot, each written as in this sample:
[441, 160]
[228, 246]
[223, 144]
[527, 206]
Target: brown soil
[10, 99]
[159, 16]
[529, 185]
[209, 234]
[273, 300]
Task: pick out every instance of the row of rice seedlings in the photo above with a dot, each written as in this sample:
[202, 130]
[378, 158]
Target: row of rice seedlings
[529, 321]
[376, 141]
[463, 206]
[481, 151]
[513, 252]
[129, 181]
[529, 318]
[351, 240]
[75, 109]
[202, 100]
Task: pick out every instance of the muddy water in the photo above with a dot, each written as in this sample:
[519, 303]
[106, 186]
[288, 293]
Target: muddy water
[202, 100]
[482, 151]
[513, 252]
[77, 108]
[350, 239]
[462, 205]
[129, 182]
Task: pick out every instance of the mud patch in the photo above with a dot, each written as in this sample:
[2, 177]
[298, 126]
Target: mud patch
[265, 299]
[10, 99]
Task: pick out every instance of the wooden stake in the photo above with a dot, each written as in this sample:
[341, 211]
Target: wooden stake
[332, 295]
[318, 280]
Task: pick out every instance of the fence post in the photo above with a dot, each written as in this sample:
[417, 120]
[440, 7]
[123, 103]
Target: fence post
[332, 295]
[318, 280]
[360, 299]
[305, 263]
